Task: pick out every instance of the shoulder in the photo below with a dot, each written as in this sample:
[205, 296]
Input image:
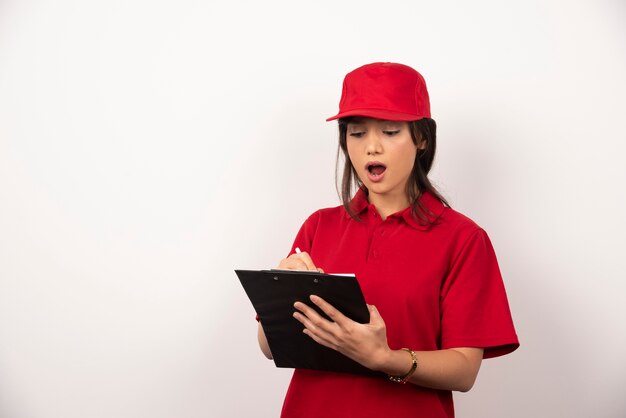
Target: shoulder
[327, 215]
[442, 219]
[459, 227]
[450, 218]
[320, 223]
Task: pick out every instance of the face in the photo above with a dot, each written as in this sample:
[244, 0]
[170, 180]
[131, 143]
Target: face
[382, 153]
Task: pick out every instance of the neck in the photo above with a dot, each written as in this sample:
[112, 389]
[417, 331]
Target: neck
[387, 204]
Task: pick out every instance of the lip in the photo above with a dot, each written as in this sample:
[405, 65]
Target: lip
[373, 177]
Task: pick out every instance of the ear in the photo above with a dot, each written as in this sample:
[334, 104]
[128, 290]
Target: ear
[422, 144]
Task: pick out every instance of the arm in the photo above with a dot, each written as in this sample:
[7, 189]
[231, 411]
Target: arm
[451, 369]
[265, 348]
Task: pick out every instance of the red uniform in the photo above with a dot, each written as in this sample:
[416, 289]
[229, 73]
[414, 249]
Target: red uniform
[436, 286]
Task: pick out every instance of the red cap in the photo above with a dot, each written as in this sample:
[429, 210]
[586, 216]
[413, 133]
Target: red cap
[384, 90]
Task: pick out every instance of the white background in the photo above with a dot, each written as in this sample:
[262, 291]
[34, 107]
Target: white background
[148, 148]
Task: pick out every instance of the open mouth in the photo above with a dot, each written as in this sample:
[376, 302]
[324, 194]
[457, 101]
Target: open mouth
[375, 169]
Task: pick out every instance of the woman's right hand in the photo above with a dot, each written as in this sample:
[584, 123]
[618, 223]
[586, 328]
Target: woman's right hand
[299, 261]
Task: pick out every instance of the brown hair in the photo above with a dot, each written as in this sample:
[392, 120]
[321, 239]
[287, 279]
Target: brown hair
[423, 129]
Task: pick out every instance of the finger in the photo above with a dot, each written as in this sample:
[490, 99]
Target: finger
[306, 321]
[375, 317]
[298, 264]
[316, 326]
[306, 258]
[309, 313]
[292, 264]
[330, 310]
[314, 318]
[320, 340]
[321, 270]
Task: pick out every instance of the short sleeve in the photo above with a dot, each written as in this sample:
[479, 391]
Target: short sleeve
[304, 238]
[474, 306]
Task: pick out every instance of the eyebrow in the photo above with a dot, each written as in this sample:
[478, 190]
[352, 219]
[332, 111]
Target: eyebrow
[392, 123]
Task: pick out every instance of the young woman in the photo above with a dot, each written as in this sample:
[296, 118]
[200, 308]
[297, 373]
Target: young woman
[429, 274]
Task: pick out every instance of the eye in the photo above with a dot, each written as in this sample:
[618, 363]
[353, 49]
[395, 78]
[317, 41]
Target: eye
[391, 132]
[358, 134]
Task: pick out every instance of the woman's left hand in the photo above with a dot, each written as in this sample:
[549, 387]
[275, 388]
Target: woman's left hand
[363, 343]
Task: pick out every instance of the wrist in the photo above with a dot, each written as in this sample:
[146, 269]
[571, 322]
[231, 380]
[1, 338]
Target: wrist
[382, 360]
[405, 376]
[395, 362]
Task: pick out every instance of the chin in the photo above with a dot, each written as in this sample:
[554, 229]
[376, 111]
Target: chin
[377, 188]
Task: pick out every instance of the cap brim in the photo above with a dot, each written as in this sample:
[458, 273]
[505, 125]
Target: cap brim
[379, 114]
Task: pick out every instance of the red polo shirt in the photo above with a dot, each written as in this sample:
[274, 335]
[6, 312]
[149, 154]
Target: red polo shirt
[436, 286]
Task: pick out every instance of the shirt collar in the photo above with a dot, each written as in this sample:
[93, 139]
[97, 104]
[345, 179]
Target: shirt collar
[433, 206]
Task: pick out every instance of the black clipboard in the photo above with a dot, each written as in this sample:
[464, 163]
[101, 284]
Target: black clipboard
[273, 293]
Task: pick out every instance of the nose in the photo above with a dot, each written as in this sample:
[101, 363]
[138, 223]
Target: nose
[373, 145]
